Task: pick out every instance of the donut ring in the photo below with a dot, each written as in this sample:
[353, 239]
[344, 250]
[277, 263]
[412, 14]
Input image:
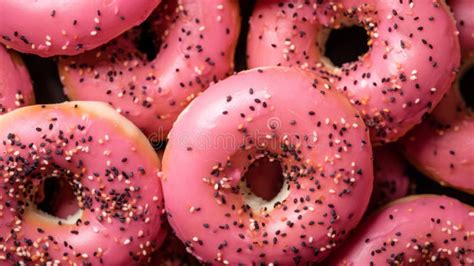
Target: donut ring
[16, 89]
[197, 48]
[112, 169]
[411, 62]
[442, 146]
[464, 13]
[68, 27]
[391, 180]
[281, 114]
[416, 230]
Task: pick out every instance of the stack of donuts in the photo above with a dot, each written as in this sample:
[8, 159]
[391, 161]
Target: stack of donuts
[226, 132]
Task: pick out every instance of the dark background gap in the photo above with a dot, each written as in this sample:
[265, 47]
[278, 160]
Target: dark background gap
[46, 83]
[240, 59]
[466, 86]
[147, 41]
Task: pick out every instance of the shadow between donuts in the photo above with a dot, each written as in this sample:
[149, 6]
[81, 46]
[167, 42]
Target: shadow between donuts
[466, 87]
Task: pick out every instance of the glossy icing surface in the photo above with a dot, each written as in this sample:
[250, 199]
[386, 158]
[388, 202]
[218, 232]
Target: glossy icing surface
[464, 13]
[16, 89]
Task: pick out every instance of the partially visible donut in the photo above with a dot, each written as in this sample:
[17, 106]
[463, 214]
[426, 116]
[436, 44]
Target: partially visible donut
[60, 27]
[464, 13]
[391, 181]
[197, 40]
[16, 89]
[416, 230]
[442, 147]
[284, 115]
[112, 170]
[411, 63]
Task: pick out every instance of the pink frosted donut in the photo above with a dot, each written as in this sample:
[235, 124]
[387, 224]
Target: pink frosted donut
[109, 165]
[279, 114]
[58, 27]
[416, 230]
[15, 83]
[442, 146]
[391, 180]
[411, 62]
[198, 40]
[464, 13]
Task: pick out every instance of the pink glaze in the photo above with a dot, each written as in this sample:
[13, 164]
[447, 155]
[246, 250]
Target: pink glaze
[15, 83]
[198, 40]
[59, 27]
[464, 13]
[416, 230]
[414, 52]
[113, 171]
[442, 146]
[391, 179]
[286, 115]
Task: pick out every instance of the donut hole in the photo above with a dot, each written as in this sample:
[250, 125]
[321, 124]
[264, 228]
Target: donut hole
[346, 44]
[264, 178]
[466, 87]
[263, 186]
[55, 197]
[147, 41]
